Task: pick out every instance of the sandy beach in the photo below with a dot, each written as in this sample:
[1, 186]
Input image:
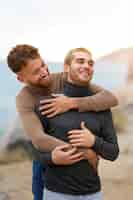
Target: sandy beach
[116, 177]
[117, 180]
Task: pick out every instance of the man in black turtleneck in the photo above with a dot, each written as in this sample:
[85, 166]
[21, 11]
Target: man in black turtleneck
[92, 130]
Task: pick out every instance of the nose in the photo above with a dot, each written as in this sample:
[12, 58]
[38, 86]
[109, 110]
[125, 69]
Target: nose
[88, 67]
[44, 71]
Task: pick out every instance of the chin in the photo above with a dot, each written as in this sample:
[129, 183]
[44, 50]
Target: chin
[85, 80]
[82, 82]
[46, 82]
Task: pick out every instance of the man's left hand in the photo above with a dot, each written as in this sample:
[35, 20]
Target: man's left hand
[57, 105]
[81, 137]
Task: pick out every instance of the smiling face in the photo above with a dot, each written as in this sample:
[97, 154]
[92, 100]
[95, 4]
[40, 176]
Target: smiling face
[80, 70]
[35, 73]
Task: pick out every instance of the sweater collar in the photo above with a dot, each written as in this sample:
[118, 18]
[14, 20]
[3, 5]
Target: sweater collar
[72, 90]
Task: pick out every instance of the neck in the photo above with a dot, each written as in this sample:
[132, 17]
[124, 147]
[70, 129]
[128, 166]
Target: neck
[44, 91]
[85, 84]
[74, 90]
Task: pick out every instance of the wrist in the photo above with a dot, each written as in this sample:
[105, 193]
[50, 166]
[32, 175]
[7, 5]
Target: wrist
[73, 103]
[93, 140]
[53, 158]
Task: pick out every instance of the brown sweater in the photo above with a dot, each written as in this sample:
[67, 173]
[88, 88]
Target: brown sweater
[29, 95]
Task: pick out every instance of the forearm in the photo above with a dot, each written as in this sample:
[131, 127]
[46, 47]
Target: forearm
[106, 150]
[43, 157]
[101, 100]
[25, 103]
[107, 144]
[35, 132]
[98, 102]
[46, 142]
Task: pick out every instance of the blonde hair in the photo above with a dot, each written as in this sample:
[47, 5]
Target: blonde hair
[69, 56]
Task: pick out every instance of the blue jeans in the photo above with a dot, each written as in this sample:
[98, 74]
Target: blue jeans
[49, 195]
[37, 180]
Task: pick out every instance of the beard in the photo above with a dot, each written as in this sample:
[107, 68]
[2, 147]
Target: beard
[78, 79]
[45, 81]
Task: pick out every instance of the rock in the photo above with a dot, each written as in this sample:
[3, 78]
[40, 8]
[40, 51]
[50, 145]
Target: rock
[4, 196]
[15, 145]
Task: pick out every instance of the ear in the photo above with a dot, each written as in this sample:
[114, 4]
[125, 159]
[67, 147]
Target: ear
[66, 68]
[20, 78]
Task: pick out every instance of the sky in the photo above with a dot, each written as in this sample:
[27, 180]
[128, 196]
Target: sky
[55, 26]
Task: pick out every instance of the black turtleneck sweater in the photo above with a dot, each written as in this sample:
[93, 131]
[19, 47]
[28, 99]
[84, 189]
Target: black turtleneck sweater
[80, 178]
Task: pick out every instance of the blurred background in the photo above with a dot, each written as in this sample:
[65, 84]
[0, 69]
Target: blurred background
[55, 27]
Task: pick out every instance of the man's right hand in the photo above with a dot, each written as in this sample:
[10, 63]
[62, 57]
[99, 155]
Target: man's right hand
[66, 155]
[54, 106]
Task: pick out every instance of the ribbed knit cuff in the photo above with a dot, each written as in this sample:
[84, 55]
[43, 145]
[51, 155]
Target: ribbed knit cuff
[98, 144]
[48, 158]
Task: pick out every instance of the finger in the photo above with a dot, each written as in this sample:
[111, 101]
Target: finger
[57, 95]
[82, 125]
[77, 144]
[76, 156]
[52, 114]
[74, 141]
[75, 136]
[46, 101]
[71, 151]
[49, 111]
[64, 147]
[77, 160]
[46, 106]
[75, 131]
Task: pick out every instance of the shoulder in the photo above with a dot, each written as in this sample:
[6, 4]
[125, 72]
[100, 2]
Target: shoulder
[106, 114]
[103, 113]
[107, 111]
[59, 75]
[57, 81]
[95, 88]
[24, 93]
[25, 98]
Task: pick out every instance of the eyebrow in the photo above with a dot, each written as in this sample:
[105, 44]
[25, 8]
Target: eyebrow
[80, 59]
[38, 69]
[83, 59]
